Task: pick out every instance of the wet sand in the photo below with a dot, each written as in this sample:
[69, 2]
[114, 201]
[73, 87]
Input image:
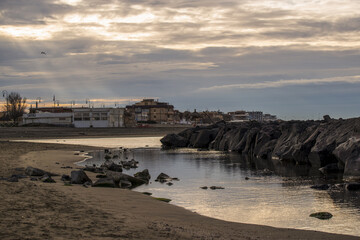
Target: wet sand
[36, 210]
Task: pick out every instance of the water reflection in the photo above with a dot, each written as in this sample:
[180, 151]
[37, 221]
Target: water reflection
[274, 193]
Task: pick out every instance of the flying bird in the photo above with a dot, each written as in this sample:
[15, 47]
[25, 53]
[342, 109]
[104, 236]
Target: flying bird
[43, 53]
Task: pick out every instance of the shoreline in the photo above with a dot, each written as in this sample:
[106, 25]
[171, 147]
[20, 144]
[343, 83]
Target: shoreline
[133, 212]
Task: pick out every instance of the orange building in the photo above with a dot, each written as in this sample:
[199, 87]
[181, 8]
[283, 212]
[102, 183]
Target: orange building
[150, 110]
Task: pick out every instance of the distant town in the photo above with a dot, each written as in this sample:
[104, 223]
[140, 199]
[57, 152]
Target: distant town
[144, 113]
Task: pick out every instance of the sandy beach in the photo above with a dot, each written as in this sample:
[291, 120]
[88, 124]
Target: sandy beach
[37, 210]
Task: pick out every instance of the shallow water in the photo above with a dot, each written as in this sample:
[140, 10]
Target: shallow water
[276, 197]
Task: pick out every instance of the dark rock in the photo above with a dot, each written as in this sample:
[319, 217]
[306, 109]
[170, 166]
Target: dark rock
[144, 175]
[34, 179]
[327, 118]
[93, 169]
[125, 184]
[19, 176]
[47, 179]
[163, 178]
[117, 176]
[174, 140]
[348, 154]
[115, 167]
[330, 168]
[321, 187]
[216, 187]
[204, 138]
[130, 164]
[101, 176]
[87, 184]
[247, 178]
[67, 167]
[204, 187]
[322, 215]
[79, 177]
[352, 186]
[104, 182]
[147, 193]
[37, 172]
[65, 178]
[13, 179]
[169, 184]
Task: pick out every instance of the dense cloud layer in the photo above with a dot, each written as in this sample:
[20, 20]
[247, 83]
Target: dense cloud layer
[203, 54]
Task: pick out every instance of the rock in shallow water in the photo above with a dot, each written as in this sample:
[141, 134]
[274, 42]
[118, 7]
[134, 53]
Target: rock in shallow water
[144, 175]
[322, 215]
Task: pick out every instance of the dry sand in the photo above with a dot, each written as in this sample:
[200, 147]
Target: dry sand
[36, 210]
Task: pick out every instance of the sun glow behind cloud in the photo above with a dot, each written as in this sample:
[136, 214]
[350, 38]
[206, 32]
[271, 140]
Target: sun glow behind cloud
[166, 48]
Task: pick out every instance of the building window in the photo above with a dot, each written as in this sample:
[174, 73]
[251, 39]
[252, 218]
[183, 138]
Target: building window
[96, 116]
[103, 116]
[62, 119]
[86, 116]
[77, 117]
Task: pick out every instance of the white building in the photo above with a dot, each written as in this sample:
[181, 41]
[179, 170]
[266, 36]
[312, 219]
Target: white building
[98, 117]
[60, 119]
[78, 117]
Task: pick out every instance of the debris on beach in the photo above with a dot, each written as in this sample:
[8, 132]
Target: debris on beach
[216, 187]
[65, 177]
[30, 171]
[47, 179]
[163, 199]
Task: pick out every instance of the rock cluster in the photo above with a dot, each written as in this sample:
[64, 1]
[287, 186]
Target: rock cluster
[332, 145]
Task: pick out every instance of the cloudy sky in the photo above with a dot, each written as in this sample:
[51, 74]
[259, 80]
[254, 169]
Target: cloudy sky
[295, 59]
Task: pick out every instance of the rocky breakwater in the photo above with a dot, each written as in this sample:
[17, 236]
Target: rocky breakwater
[331, 145]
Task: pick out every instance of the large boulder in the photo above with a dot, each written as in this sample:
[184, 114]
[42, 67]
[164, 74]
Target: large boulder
[118, 177]
[174, 140]
[348, 155]
[79, 177]
[204, 138]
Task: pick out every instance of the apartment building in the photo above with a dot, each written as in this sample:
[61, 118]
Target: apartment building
[151, 110]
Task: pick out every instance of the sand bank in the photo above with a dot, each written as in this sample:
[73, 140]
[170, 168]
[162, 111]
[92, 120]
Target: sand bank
[36, 210]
